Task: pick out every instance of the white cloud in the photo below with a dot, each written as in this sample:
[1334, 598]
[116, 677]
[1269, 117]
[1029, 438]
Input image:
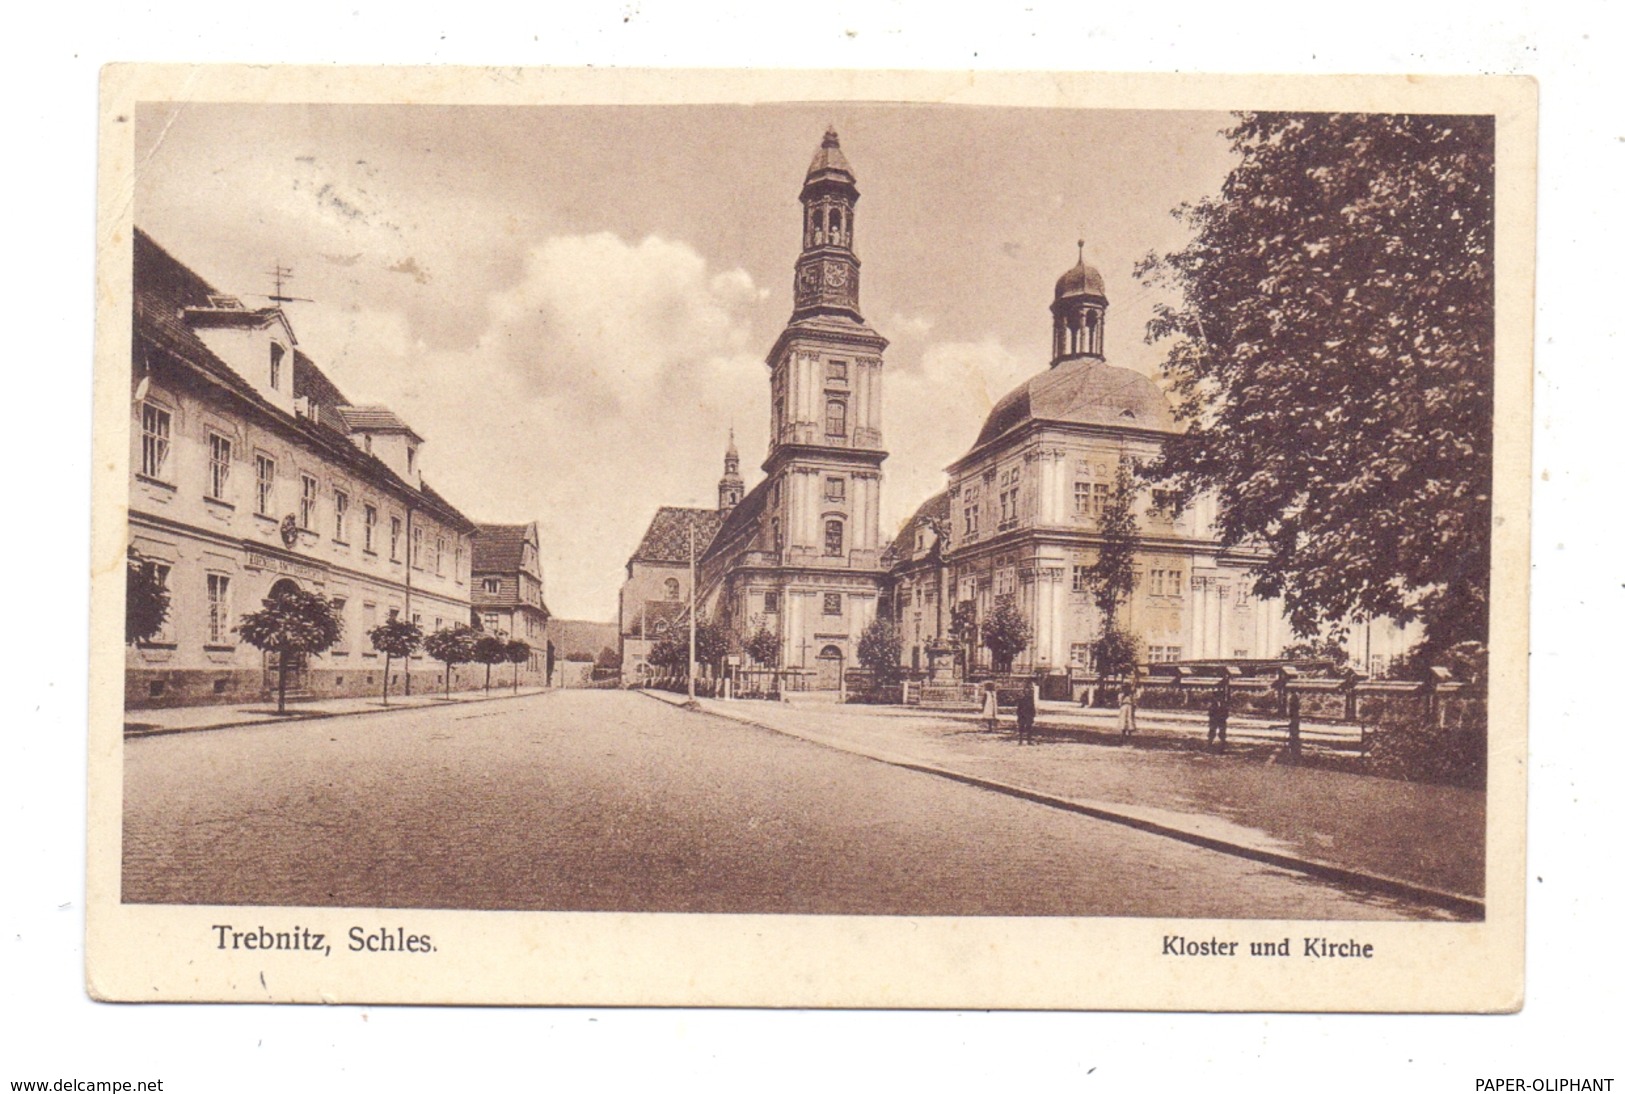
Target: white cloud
[934, 407]
[602, 387]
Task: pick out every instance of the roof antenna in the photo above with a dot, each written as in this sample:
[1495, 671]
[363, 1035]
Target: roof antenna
[278, 274]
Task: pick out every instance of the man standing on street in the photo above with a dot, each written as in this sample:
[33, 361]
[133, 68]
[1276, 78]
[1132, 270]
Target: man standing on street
[1026, 713]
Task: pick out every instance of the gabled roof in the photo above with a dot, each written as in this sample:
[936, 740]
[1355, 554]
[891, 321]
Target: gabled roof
[667, 537]
[164, 288]
[910, 538]
[500, 548]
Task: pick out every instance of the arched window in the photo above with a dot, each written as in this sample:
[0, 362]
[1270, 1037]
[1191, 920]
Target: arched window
[834, 538]
[673, 590]
[835, 417]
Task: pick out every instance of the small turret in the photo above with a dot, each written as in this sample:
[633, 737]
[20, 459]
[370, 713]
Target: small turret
[730, 488]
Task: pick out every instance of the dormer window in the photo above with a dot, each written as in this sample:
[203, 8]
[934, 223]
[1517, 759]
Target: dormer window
[276, 366]
[411, 459]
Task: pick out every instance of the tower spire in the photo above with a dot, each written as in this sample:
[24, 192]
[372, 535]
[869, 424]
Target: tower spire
[730, 488]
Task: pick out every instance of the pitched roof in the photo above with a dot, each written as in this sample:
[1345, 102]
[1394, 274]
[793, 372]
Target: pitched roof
[500, 547]
[164, 287]
[372, 419]
[667, 537]
[910, 538]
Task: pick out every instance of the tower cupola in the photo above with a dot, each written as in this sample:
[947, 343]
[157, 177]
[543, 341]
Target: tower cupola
[1080, 314]
[827, 271]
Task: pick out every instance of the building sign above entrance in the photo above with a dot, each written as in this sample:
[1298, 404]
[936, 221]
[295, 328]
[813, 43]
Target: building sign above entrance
[259, 560]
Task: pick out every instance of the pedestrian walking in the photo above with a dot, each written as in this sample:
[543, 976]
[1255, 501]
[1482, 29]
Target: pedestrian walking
[1026, 713]
[990, 705]
[1125, 712]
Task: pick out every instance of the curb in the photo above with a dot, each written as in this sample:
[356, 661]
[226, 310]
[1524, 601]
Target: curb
[1460, 903]
[316, 716]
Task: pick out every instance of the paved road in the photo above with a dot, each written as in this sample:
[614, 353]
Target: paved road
[603, 800]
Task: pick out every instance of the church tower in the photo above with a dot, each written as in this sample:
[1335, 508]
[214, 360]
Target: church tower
[730, 488]
[824, 449]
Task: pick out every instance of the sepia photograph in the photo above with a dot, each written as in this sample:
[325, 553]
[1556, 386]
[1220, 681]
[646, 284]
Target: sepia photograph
[1004, 516]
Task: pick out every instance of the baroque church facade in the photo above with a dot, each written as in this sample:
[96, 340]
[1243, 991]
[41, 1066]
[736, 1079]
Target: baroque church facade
[1021, 517]
[800, 553]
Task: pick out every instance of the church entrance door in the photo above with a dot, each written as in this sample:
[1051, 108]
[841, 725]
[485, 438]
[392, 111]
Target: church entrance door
[830, 661]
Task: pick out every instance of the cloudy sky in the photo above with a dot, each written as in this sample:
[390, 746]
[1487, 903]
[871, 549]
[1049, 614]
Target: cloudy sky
[573, 304]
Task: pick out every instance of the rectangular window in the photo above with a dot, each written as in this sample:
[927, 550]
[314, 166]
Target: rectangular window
[973, 511]
[369, 527]
[1080, 579]
[154, 440]
[834, 489]
[219, 466]
[439, 553]
[835, 418]
[341, 515]
[417, 548]
[832, 603]
[160, 575]
[1080, 499]
[491, 619]
[1176, 582]
[1082, 655]
[264, 485]
[276, 366]
[490, 585]
[369, 620]
[394, 539]
[770, 603]
[219, 629]
[342, 646]
[1157, 582]
[307, 502]
[834, 538]
[835, 371]
[1097, 507]
[457, 564]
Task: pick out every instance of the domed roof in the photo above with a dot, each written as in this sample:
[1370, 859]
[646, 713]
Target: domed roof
[1081, 280]
[1084, 392]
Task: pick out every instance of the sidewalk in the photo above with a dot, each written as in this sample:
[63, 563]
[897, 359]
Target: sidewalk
[144, 723]
[1420, 841]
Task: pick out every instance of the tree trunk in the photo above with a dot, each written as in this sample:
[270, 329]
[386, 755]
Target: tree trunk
[448, 679]
[386, 679]
[282, 682]
[516, 677]
[488, 678]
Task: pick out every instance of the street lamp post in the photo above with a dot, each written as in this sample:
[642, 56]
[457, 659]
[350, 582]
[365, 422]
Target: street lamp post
[692, 594]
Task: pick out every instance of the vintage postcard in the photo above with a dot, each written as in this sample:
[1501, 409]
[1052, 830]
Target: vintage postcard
[811, 539]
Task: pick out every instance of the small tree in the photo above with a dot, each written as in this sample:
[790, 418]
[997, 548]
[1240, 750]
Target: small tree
[489, 650]
[1116, 653]
[518, 652]
[762, 644]
[146, 600]
[451, 646]
[1006, 632]
[289, 623]
[395, 638]
[671, 652]
[1111, 577]
[880, 650]
[608, 660]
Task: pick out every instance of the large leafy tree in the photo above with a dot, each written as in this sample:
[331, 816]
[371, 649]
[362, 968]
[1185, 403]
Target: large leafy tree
[291, 622]
[146, 599]
[762, 643]
[395, 638]
[1006, 632]
[710, 644]
[1330, 349]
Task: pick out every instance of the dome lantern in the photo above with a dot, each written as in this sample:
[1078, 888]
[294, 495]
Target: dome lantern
[1080, 313]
